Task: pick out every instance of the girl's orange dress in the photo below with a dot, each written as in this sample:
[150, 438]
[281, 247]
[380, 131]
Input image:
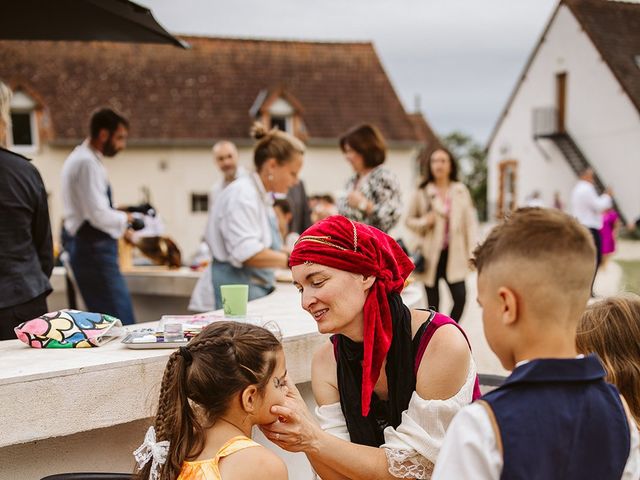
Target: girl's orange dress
[208, 469]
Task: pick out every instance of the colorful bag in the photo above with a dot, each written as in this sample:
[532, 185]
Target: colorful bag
[69, 329]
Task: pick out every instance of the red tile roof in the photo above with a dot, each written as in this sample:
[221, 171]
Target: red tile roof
[206, 92]
[423, 131]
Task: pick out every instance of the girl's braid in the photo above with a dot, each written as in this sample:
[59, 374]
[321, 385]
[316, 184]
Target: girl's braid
[166, 409]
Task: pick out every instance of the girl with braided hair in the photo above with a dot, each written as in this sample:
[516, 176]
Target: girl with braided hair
[214, 390]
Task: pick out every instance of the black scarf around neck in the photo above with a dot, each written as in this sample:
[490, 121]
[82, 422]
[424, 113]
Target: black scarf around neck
[401, 379]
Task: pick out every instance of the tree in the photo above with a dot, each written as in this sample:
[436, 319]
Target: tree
[472, 163]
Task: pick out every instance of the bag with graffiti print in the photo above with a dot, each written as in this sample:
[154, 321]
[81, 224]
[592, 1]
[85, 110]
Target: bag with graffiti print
[69, 329]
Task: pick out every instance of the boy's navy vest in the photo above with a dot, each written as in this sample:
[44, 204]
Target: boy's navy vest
[559, 419]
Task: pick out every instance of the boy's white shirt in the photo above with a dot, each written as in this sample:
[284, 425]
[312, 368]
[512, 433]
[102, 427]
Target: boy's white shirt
[470, 450]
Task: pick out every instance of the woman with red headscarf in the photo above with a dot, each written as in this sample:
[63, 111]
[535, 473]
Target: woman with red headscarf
[390, 380]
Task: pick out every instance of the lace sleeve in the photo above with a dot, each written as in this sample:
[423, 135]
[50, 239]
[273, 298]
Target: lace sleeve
[408, 464]
[412, 447]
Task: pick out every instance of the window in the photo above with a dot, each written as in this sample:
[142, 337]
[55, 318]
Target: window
[278, 109]
[23, 132]
[280, 123]
[281, 113]
[21, 129]
[199, 202]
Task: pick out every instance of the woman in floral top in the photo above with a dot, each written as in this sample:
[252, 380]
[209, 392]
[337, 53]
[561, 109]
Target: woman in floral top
[373, 193]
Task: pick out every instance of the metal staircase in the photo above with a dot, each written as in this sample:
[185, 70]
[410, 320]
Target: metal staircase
[545, 127]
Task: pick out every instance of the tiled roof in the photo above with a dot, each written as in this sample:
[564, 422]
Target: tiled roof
[423, 131]
[429, 139]
[205, 92]
[614, 29]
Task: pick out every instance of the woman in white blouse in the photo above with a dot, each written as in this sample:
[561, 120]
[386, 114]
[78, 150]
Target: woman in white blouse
[391, 379]
[245, 241]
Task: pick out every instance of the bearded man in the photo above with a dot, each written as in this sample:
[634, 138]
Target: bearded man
[92, 221]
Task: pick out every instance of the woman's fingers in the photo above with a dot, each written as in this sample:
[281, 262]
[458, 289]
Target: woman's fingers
[287, 442]
[284, 412]
[285, 439]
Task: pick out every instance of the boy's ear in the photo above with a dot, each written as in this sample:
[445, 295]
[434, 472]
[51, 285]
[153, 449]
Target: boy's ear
[249, 399]
[508, 306]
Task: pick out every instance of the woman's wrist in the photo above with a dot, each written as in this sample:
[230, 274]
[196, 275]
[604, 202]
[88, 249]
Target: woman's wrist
[316, 442]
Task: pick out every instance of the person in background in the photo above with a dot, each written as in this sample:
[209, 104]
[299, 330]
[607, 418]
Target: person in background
[554, 417]
[610, 328]
[608, 234]
[557, 201]
[535, 200]
[299, 207]
[92, 221]
[213, 391]
[202, 297]
[373, 192]
[322, 206]
[225, 156]
[442, 215]
[246, 243]
[587, 206]
[283, 214]
[26, 246]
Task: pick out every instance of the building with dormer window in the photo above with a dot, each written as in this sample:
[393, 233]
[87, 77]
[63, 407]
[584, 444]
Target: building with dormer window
[179, 102]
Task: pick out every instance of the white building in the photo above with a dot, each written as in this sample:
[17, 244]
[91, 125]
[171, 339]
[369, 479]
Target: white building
[576, 104]
[179, 102]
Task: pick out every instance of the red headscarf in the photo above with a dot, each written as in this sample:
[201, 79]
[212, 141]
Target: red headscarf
[340, 243]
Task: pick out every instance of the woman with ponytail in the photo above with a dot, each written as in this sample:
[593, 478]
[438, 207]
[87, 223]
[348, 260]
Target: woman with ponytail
[245, 240]
[214, 390]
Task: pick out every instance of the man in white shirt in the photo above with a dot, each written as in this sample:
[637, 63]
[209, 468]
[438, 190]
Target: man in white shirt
[92, 221]
[587, 207]
[225, 156]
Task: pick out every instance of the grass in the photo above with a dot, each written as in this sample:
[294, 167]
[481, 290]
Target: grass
[630, 275]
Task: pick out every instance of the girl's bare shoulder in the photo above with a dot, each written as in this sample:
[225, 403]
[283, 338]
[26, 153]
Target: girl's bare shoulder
[243, 465]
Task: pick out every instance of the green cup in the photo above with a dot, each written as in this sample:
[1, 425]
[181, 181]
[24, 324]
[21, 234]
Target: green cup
[234, 300]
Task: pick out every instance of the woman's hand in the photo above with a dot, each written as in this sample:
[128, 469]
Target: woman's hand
[430, 218]
[296, 429]
[356, 200]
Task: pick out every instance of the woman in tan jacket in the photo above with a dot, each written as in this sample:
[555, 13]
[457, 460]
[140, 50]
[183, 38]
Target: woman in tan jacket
[442, 214]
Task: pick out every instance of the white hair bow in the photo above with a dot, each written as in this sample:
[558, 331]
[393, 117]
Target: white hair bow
[152, 450]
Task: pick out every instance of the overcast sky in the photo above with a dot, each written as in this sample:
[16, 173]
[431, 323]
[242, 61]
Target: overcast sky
[462, 57]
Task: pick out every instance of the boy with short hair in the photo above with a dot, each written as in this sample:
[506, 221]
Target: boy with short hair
[554, 417]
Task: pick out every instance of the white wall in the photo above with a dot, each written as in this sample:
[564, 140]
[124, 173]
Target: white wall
[599, 115]
[173, 173]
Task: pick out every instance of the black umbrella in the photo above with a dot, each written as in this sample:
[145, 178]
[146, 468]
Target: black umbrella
[107, 20]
